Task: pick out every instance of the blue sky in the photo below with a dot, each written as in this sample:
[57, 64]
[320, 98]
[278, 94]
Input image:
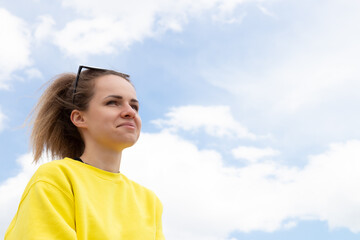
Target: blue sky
[249, 108]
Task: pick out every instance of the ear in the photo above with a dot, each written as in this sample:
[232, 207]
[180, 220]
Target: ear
[77, 118]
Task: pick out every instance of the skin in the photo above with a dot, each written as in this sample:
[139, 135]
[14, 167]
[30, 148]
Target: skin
[110, 124]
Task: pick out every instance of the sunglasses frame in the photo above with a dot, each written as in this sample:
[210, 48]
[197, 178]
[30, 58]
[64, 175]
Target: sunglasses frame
[90, 68]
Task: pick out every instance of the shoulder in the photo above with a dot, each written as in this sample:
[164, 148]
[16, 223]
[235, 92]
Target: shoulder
[56, 173]
[50, 177]
[54, 169]
[57, 164]
[140, 190]
[135, 185]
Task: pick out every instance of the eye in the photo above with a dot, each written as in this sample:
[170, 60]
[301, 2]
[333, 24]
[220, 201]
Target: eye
[112, 102]
[135, 107]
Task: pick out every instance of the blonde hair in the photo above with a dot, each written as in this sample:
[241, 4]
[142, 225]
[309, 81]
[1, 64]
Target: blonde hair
[52, 131]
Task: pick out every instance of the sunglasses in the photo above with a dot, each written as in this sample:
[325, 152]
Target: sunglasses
[81, 67]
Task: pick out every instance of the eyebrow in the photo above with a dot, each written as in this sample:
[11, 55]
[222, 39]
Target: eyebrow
[120, 97]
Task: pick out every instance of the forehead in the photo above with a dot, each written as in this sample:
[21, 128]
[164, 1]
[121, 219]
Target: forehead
[113, 85]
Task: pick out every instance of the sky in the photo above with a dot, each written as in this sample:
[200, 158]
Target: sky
[250, 128]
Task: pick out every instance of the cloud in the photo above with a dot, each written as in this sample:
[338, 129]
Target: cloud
[266, 11]
[44, 29]
[32, 73]
[304, 64]
[215, 120]
[175, 9]
[3, 118]
[11, 190]
[14, 46]
[101, 35]
[329, 182]
[203, 199]
[253, 154]
[111, 26]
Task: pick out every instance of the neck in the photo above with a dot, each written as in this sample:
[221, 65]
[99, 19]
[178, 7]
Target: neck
[105, 159]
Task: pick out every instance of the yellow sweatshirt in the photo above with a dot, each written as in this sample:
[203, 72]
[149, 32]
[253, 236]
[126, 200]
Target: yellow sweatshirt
[67, 199]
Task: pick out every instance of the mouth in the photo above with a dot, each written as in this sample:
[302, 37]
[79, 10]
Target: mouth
[127, 124]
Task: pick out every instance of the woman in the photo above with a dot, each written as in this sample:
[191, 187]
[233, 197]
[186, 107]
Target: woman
[87, 119]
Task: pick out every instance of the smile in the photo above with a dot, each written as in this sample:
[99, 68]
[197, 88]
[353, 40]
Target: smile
[127, 124]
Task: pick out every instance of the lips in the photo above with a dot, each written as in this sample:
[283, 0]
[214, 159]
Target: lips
[127, 124]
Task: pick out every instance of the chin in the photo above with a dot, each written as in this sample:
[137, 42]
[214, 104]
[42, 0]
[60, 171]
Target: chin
[127, 144]
[122, 142]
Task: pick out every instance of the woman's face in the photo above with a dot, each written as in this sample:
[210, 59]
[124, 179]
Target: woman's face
[112, 118]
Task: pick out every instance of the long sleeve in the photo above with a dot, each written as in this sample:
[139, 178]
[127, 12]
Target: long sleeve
[70, 200]
[45, 212]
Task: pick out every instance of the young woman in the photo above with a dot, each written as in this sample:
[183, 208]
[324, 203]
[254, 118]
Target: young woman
[87, 120]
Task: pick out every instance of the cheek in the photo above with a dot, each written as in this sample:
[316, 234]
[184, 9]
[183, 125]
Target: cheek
[139, 122]
[101, 120]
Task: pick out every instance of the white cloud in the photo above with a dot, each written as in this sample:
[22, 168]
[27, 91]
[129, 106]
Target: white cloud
[2, 120]
[14, 46]
[109, 26]
[305, 65]
[215, 120]
[177, 9]
[101, 35]
[44, 28]
[266, 11]
[302, 80]
[327, 187]
[203, 199]
[253, 154]
[32, 73]
[11, 190]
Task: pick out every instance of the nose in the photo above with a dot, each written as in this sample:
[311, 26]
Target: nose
[128, 112]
